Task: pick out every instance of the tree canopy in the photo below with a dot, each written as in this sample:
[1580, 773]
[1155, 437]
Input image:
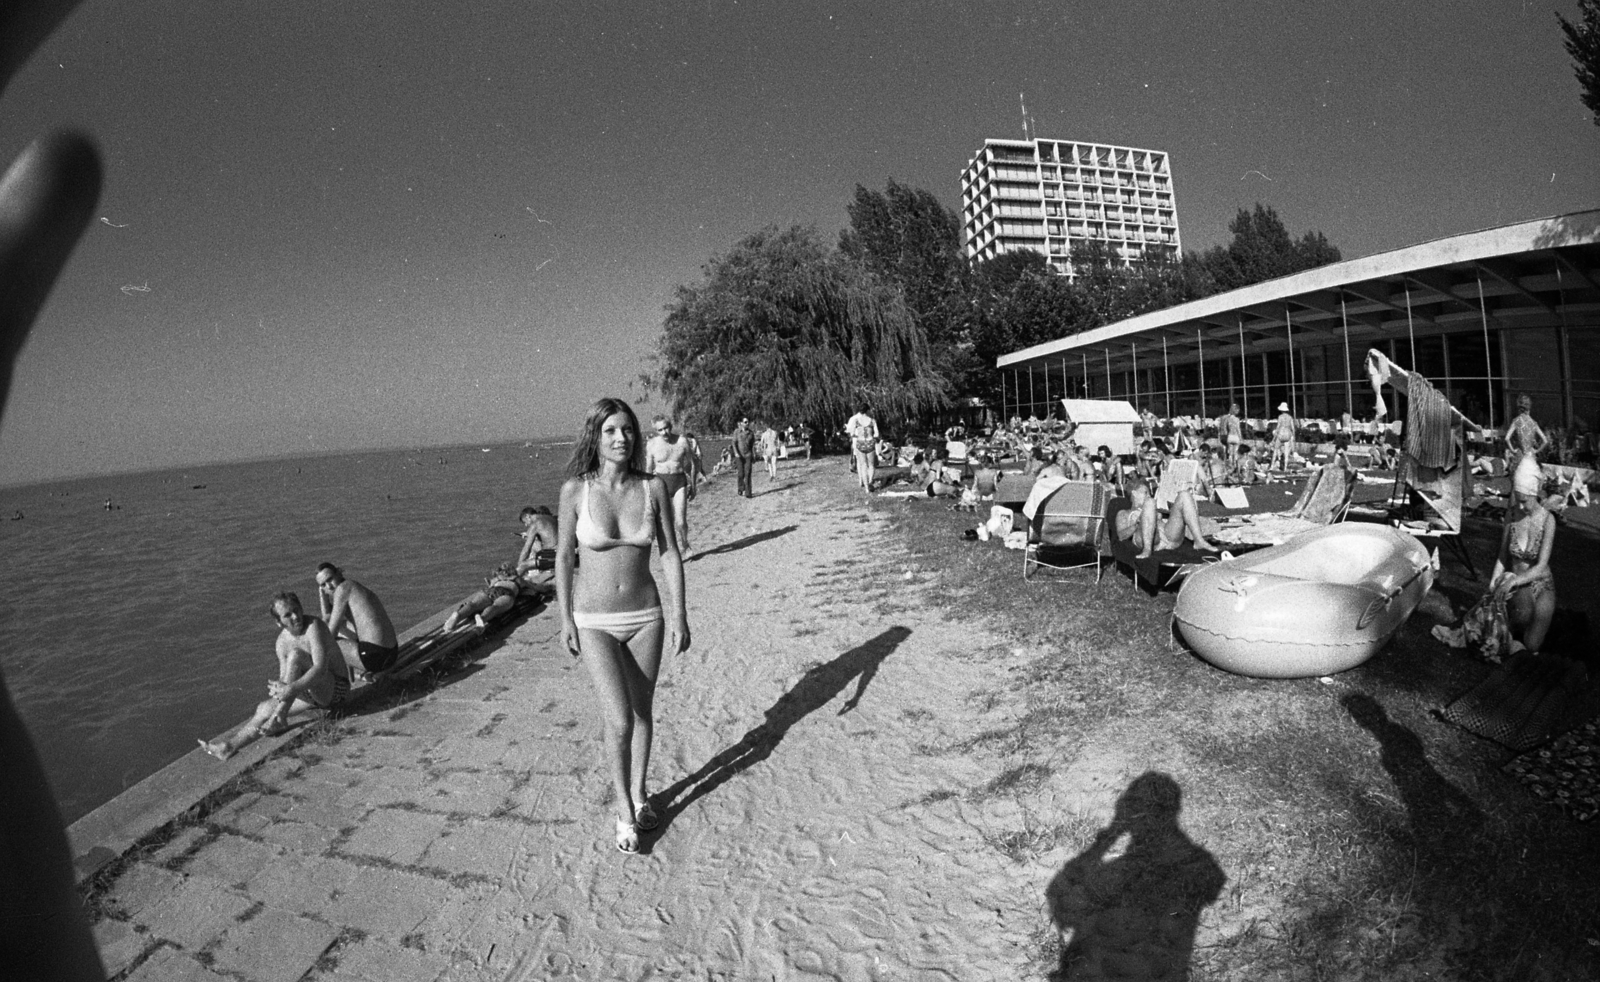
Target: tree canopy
[786, 328]
[1583, 44]
[1262, 249]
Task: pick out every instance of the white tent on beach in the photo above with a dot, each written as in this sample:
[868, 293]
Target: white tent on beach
[1107, 422]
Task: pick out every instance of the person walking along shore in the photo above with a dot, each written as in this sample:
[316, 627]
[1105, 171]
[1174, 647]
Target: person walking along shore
[744, 454]
[612, 616]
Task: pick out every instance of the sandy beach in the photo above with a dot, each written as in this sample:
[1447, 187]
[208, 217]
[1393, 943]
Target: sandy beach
[859, 786]
[818, 824]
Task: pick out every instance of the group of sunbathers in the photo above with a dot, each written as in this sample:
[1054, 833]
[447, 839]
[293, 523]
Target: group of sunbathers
[352, 636]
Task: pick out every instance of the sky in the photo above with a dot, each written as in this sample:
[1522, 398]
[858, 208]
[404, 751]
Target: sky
[336, 226]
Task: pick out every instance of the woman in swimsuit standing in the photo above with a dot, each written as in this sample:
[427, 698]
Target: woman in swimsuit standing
[1523, 569]
[611, 614]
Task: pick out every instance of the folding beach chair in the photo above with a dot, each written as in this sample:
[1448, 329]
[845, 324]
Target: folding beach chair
[1067, 525]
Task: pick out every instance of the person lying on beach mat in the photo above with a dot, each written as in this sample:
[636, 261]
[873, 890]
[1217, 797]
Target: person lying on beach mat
[498, 596]
[312, 674]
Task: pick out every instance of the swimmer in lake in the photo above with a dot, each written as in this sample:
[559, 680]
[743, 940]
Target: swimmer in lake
[356, 617]
[1141, 522]
[311, 675]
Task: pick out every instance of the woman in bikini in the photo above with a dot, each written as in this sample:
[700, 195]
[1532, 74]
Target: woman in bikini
[1523, 568]
[611, 614]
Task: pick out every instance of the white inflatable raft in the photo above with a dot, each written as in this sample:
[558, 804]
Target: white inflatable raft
[1323, 602]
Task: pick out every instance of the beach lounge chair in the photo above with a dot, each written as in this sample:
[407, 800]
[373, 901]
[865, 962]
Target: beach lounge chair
[1161, 568]
[1065, 524]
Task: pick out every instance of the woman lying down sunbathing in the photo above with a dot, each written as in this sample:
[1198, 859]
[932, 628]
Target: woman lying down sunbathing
[1142, 524]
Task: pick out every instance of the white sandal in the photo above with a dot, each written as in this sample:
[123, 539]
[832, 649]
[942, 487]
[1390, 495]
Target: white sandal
[627, 836]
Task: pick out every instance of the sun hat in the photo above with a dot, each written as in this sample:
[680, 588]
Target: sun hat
[1283, 407]
[1529, 477]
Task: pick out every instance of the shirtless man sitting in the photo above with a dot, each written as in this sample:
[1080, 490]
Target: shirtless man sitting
[356, 617]
[538, 536]
[310, 676]
[1142, 524]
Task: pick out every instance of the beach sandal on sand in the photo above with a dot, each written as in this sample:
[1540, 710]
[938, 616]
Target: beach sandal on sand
[646, 818]
[627, 836]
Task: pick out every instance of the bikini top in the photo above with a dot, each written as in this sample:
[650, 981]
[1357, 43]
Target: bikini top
[1527, 540]
[590, 535]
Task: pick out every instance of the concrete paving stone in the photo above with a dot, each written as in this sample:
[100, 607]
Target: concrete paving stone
[119, 944]
[476, 793]
[179, 844]
[484, 848]
[388, 903]
[273, 946]
[237, 815]
[388, 961]
[451, 920]
[328, 811]
[379, 748]
[313, 840]
[302, 884]
[195, 913]
[142, 886]
[397, 836]
[171, 965]
[278, 770]
[332, 772]
[230, 859]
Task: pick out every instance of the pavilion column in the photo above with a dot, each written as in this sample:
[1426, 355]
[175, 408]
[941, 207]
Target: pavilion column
[1244, 373]
[1288, 328]
[1166, 375]
[1200, 348]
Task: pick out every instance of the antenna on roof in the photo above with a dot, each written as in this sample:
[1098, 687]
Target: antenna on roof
[1023, 100]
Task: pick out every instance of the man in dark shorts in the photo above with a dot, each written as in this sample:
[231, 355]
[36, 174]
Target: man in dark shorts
[356, 617]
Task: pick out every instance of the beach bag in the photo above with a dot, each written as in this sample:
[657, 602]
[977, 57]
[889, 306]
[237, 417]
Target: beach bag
[1487, 628]
[1000, 521]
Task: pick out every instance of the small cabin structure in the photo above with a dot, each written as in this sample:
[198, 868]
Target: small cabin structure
[1102, 422]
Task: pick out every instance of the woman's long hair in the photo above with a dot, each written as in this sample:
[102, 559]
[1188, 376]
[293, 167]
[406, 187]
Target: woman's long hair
[586, 453]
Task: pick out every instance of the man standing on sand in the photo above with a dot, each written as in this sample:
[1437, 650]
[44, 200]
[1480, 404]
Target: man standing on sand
[744, 453]
[311, 675]
[355, 614]
[863, 432]
[769, 451]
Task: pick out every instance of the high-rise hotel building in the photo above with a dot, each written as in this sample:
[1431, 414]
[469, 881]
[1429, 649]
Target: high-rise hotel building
[1054, 196]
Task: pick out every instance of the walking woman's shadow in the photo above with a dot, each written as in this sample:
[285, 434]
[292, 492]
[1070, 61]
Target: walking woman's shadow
[1128, 905]
[815, 689]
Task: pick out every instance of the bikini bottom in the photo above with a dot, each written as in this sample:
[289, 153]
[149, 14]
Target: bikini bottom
[622, 625]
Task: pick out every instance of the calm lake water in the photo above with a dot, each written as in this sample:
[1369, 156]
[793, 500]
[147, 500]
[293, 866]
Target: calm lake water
[125, 634]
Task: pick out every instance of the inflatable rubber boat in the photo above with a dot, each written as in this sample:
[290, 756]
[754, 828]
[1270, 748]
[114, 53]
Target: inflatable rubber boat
[1323, 602]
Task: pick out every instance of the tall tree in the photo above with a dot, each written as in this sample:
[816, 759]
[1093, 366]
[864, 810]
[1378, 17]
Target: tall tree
[906, 235]
[1583, 44]
[786, 328]
[1262, 249]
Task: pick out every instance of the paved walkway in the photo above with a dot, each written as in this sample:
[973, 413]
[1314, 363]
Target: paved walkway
[816, 825]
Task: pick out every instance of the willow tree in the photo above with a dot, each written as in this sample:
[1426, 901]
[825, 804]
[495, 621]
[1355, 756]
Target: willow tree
[787, 329]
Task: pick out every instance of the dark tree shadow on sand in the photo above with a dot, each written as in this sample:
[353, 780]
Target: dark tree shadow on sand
[744, 543]
[1128, 906]
[816, 688]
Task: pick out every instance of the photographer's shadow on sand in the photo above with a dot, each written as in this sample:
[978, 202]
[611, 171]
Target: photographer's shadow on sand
[1128, 906]
[815, 689]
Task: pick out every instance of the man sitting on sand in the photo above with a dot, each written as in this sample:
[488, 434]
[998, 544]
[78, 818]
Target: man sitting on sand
[538, 536]
[1141, 523]
[485, 605]
[356, 617]
[311, 675]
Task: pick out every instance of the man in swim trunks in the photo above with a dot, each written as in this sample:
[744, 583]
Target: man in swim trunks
[671, 457]
[356, 617]
[1142, 524]
[538, 536]
[311, 675]
[1231, 433]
